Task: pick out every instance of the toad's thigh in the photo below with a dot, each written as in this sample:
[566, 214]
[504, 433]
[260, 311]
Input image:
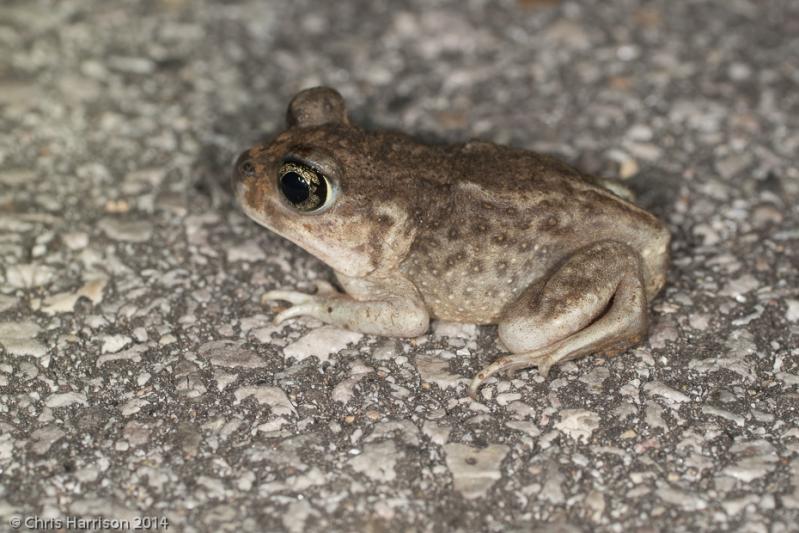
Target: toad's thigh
[574, 295]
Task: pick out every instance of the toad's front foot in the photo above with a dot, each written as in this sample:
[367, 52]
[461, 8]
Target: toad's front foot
[303, 304]
[376, 309]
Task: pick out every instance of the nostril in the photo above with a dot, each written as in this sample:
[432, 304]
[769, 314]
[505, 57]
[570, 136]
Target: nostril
[246, 168]
[244, 165]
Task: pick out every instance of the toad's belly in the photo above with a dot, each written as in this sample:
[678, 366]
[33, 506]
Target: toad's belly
[472, 289]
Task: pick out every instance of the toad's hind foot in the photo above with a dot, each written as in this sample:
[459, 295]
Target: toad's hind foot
[510, 364]
[598, 337]
[612, 334]
[594, 302]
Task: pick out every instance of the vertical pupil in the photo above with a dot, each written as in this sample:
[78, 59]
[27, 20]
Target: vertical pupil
[295, 187]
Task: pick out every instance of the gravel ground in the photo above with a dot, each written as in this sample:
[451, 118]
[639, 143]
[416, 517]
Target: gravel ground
[141, 377]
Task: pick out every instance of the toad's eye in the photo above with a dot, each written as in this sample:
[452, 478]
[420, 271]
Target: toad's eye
[303, 187]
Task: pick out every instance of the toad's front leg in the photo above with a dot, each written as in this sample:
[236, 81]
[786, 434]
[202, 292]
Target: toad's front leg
[594, 302]
[376, 306]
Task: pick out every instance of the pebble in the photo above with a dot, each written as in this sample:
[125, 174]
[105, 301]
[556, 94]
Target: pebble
[133, 354]
[75, 240]
[114, 343]
[664, 331]
[131, 407]
[343, 391]
[64, 302]
[715, 411]
[29, 275]
[654, 417]
[7, 302]
[65, 399]
[230, 354]
[274, 397]
[659, 389]
[454, 330]
[595, 378]
[525, 427]
[474, 470]
[507, 397]
[740, 286]
[126, 230]
[44, 438]
[321, 343]
[377, 461]
[792, 312]
[435, 370]
[18, 339]
[437, 432]
[685, 501]
[578, 424]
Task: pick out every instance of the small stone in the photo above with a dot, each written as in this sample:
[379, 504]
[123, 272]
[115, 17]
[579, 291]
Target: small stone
[792, 313]
[296, 516]
[133, 353]
[114, 343]
[7, 302]
[29, 275]
[525, 427]
[273, 425]
[595, 378]
[65, 399]
[377, 461]
[44, 438]
[435, 370]
[507, 397]
[18, 339]
[130, 64]
[683, 500]
[343, 391]
[274, 397]
[438, 433]
[699, 321]
[454, 330]
[595, 503]
[732, 165]
[474, 470]
[715, 411]
[664, 331]
[248, 252]
[321, 343]
[15, 177]
[579, 424]
[230, 354]
[65, 302]
[126, 230]
[654, 417]
[756, 459]
[738, 287]
[76, 240]
[657, 388]
[131, 407]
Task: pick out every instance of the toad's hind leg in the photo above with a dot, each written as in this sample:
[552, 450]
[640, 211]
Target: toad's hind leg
[593, 302]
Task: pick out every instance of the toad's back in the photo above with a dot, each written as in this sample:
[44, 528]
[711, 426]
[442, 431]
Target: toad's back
[507, 218]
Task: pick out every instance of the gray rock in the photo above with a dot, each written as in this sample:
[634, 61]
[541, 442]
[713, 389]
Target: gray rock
[474, 470]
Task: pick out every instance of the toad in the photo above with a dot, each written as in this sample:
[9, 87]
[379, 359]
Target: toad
[475, 232]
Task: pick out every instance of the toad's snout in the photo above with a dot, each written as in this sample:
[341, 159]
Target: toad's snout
[242, 170]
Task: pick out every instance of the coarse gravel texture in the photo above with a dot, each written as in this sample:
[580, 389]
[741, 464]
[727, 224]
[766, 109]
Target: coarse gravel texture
[141, 376]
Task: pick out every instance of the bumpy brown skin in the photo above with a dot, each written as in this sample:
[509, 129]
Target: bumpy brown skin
[472, 227]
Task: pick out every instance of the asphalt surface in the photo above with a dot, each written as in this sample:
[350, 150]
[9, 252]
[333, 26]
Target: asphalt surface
[141, 377]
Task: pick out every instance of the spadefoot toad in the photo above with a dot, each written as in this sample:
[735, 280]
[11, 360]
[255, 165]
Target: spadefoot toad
[473, 232]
